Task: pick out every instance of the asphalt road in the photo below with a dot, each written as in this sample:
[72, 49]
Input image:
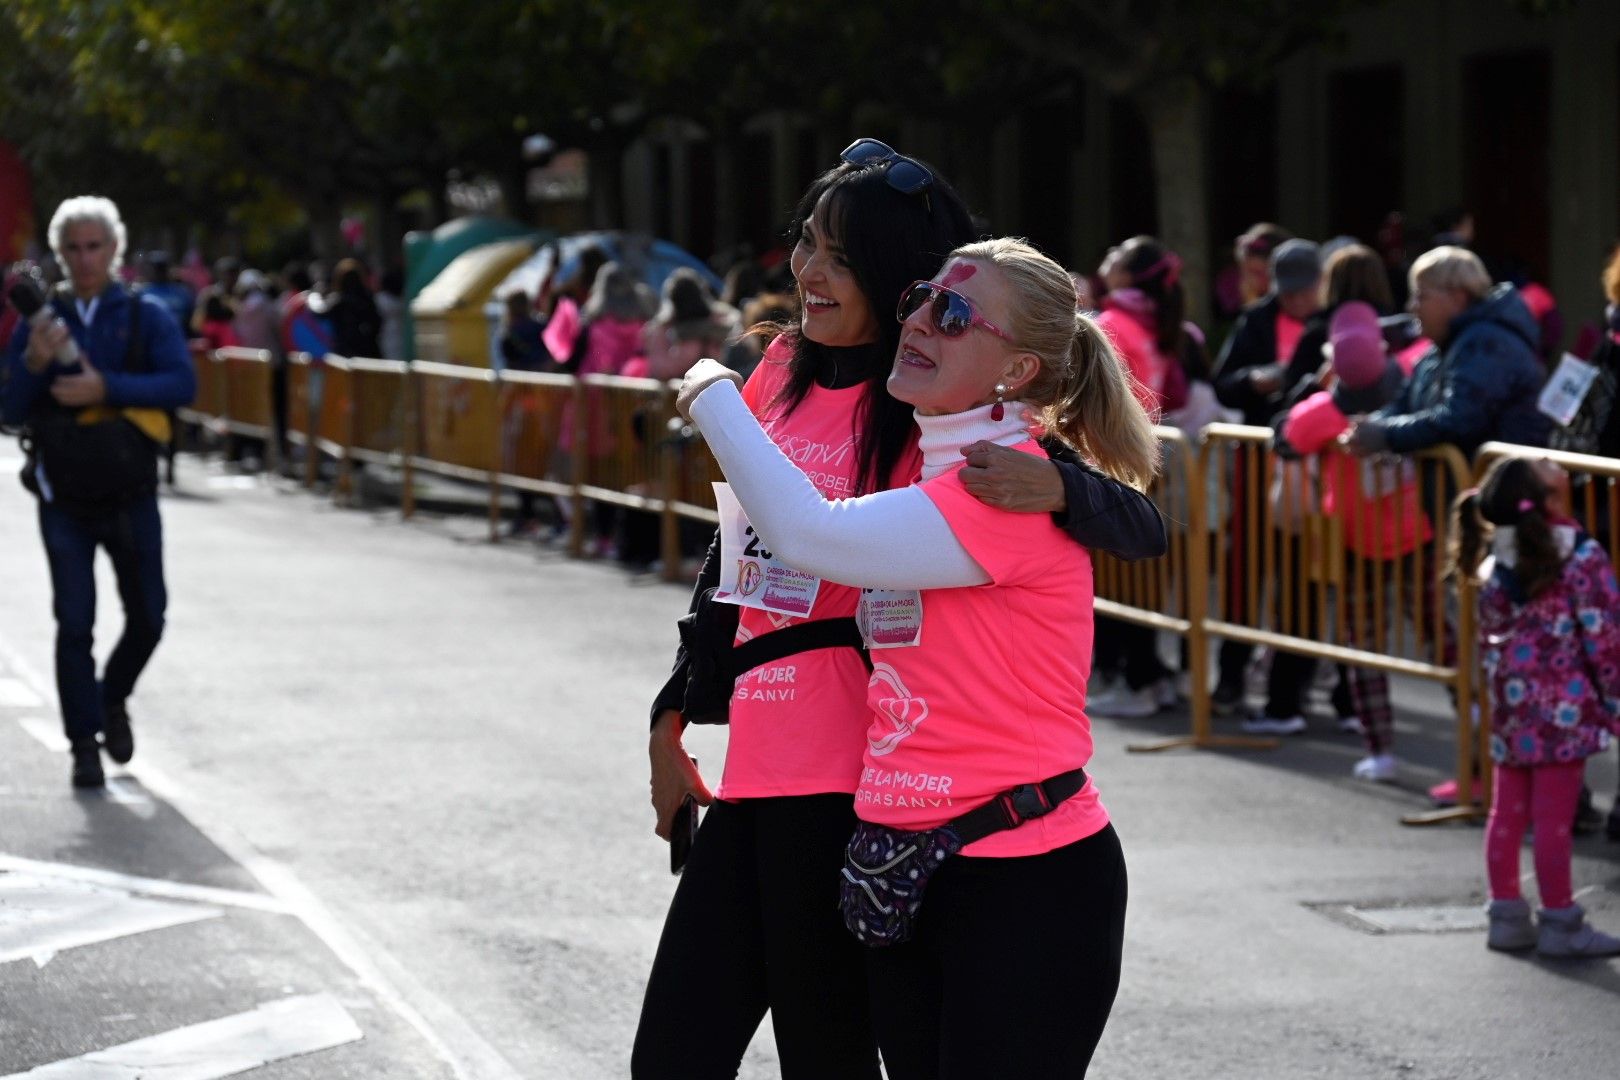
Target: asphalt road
[413, 766]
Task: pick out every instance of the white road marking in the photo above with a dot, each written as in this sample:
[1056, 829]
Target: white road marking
[47, 732]
[444, 1029]
[469, 1055]
[16, 694]
[41, 915]
[225, 1047]
[144, 886]
[23, 670]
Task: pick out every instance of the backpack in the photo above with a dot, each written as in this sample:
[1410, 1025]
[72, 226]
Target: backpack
[1590, 430]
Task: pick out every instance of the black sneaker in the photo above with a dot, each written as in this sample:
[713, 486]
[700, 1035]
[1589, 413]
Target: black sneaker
[1225, 700]
[116, 735]
[87, 765]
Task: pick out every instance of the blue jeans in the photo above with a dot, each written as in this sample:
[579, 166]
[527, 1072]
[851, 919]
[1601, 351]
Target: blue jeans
[133, 537]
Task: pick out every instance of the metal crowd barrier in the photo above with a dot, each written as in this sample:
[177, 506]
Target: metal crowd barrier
[1361, 585]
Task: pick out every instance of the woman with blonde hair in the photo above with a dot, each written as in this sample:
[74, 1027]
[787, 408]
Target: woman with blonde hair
[984, 858]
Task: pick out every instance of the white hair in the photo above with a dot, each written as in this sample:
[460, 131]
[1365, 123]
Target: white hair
[82, 208]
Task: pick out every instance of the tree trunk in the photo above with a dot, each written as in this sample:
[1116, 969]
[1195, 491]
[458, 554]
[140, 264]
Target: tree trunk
[388, 243]
[1175, 113]
[514, 182]
[606, 179]
[727, 191]
[326, 230]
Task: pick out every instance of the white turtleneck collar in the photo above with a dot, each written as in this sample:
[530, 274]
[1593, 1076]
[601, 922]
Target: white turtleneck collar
[942, 437]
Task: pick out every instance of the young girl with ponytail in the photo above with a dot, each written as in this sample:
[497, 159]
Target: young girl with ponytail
[1549, 624]
[984, 871]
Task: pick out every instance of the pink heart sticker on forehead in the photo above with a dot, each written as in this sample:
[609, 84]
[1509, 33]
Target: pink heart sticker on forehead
[958, 274]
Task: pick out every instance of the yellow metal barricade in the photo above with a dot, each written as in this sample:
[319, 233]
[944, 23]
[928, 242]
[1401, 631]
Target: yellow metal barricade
[613, 432]
[531, 405]
[299, 366]
[457, 427]
[1171, 594]
[246, 392]
[377, 414]
[208, 406]
[1355, 578]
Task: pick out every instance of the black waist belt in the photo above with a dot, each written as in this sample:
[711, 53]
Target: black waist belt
[1023, 803]
[779, 644]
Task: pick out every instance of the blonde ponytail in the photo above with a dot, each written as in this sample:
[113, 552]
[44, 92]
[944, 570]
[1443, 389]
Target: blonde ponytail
[1098, 411]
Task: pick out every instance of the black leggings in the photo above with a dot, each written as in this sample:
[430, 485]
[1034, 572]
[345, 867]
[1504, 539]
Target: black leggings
[1013, 969]
[754, 926]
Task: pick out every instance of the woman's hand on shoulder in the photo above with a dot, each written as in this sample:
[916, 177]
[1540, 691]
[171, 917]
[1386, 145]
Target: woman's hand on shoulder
[1012, 480]
[674, 774]
[702, 375]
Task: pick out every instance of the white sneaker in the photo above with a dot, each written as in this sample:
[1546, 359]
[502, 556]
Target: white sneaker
[1352, 725]
[1260, 724]
[1127, 704]
[1379, 768]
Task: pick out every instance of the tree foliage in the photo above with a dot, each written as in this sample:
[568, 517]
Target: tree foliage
[228, 104]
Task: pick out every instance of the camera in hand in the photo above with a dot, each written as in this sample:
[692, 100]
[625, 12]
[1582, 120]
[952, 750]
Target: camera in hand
[29, 300]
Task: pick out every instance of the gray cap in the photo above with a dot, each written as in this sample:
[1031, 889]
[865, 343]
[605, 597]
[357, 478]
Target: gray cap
[1296, 265]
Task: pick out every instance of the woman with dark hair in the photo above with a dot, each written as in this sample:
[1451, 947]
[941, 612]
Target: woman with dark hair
[353, 313]
[754, 926]
[1144, 320]
[1352, 273]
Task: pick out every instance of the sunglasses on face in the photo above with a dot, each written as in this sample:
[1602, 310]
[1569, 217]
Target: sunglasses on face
[952, 312]
[906, 175]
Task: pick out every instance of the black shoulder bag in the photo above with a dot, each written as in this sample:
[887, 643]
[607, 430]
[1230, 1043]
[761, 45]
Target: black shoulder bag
[91, 468]
[709, 633]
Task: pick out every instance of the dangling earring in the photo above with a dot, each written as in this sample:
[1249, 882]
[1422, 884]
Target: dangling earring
[997, 411]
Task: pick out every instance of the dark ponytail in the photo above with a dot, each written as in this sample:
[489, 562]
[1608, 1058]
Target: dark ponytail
[1156, 272]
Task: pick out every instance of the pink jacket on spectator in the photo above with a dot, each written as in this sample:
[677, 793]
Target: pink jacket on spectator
[1376, 499]
[611, 345]
[1161, 377]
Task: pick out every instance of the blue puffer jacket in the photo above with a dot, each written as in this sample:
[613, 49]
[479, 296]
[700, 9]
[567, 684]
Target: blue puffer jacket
[1482, 387]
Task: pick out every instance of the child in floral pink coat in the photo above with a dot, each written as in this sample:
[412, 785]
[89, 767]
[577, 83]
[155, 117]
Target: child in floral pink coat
[1549, 617]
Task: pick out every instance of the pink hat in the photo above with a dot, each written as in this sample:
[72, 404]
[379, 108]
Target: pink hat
[1351, 316]
[1359, 359]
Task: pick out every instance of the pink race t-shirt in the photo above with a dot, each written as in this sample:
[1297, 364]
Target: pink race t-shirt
[993, 695]
[1289, 331]
[798, 726]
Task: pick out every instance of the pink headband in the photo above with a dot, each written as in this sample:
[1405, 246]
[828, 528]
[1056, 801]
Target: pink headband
[1169, 265]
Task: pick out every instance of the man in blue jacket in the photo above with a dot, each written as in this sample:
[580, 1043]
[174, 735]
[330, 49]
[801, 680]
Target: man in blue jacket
[1483, 376]
[95, 422]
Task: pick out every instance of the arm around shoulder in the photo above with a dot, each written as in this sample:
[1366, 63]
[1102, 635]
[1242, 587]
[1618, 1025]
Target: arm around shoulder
[1105, 514]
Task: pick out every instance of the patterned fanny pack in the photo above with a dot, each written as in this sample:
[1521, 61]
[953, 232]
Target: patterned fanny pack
[887, 870]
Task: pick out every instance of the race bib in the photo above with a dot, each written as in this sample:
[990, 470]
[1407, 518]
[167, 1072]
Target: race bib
[890, 618]
[1562, 396]
[750, 576]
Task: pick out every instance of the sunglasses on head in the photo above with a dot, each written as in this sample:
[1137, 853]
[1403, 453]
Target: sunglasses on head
[906, 175]
[952, 312]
